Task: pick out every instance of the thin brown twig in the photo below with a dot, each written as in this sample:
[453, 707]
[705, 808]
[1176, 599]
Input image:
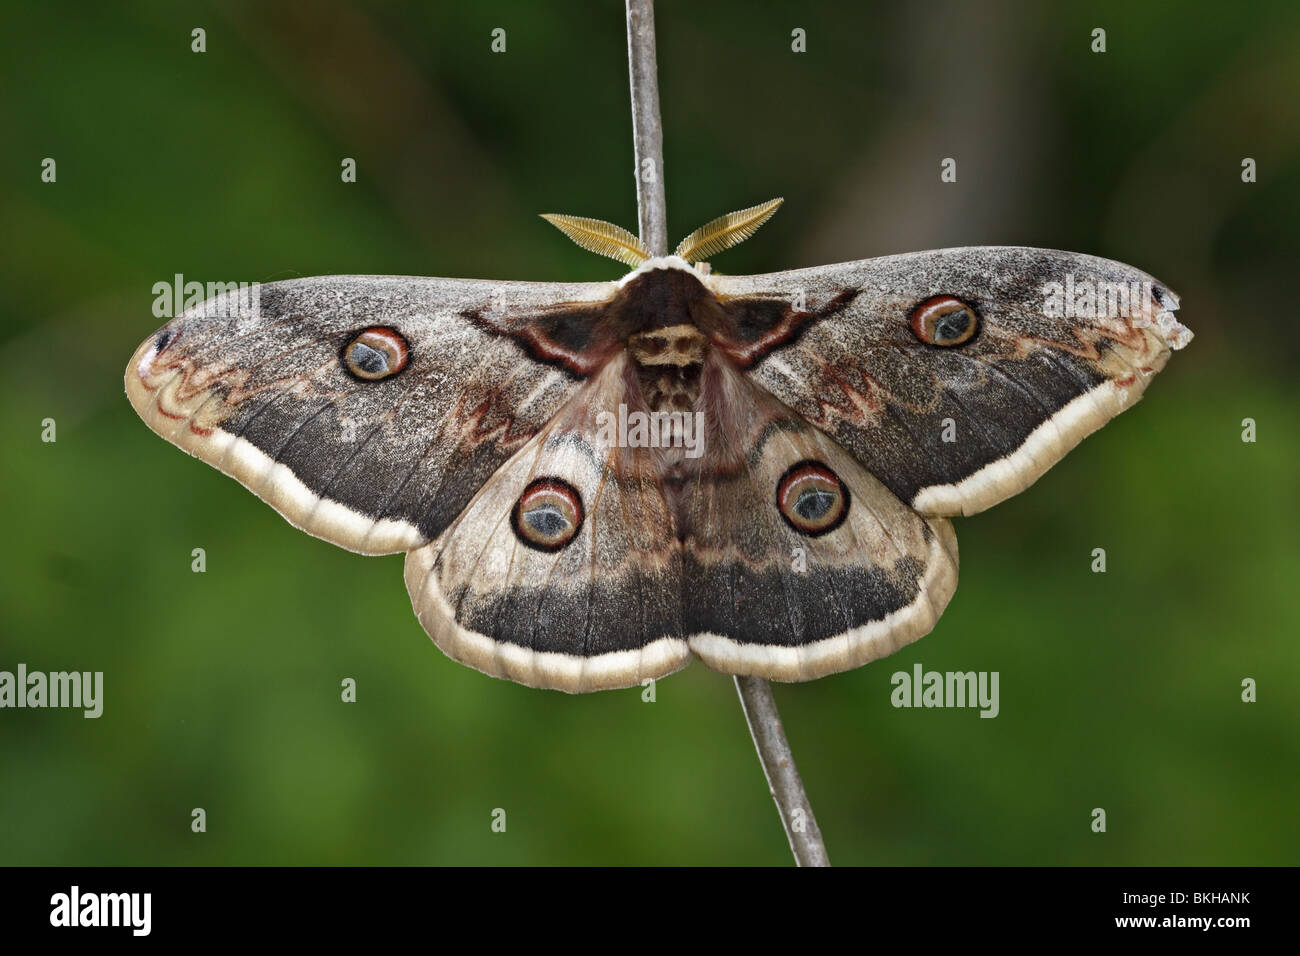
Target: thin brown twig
[647, 131]
[756, 698]
[783, 778]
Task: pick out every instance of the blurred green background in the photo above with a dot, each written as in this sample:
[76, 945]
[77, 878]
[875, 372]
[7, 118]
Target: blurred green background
[1118, 690]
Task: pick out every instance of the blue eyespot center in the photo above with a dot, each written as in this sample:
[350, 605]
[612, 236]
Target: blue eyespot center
[369, 360]
[814, 503]
[812, 499]
[547, 515]
[547, 520]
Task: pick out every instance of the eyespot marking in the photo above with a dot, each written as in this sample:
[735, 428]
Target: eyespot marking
[548, 515]
[945, 321]
[375, 353]
[812, 499]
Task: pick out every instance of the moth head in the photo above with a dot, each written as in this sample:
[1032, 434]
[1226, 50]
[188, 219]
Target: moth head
[615, 242]
[812, 499]
[944, 320]
[548, 515]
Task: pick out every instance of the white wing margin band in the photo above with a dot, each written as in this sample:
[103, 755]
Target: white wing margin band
[272, 481]
[576, 674]
[550, 670]
[1045, 446]
[855, 647]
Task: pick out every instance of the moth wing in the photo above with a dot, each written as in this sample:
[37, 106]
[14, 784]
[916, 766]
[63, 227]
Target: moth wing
[257, 386]
[603, 610]
[954, 430]
[762, 597]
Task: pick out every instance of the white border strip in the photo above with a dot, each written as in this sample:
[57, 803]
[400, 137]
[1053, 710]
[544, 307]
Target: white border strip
[273, 482]
[550, 670]
[1044, 447]
[855, 647]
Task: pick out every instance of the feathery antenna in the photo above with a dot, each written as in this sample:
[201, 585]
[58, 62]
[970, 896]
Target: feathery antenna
[603, 238]
[725, 231]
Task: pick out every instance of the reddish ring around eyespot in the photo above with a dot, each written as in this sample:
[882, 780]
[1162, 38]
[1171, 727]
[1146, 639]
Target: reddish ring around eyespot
[812, 499]
[548, 515]
[375, 353]
[944, 320]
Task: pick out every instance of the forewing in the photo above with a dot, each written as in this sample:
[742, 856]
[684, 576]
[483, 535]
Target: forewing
[261, 390]
[953, 430]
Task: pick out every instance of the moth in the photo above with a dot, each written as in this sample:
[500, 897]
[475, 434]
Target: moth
[526, 443]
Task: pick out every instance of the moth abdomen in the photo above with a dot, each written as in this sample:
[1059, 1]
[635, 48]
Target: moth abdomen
[668, 363]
